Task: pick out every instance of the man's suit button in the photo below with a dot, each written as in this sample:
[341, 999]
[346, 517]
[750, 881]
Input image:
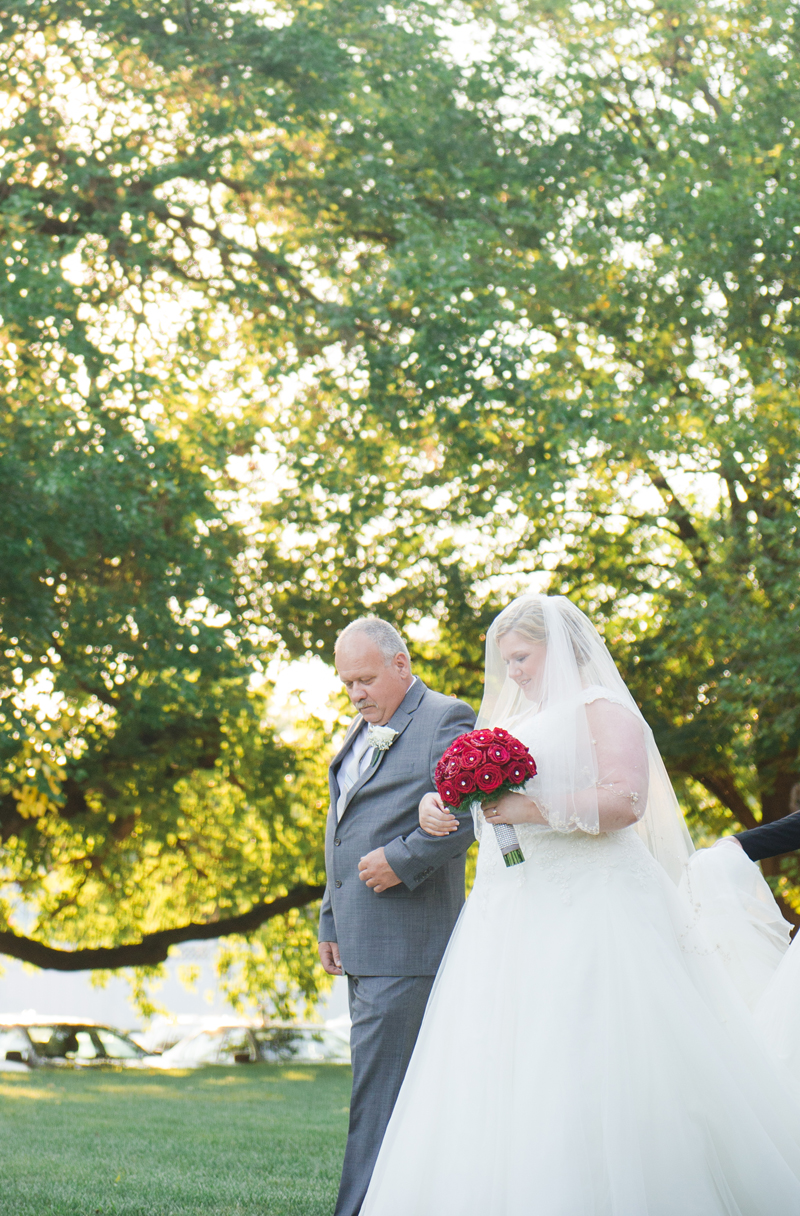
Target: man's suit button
[337, 840]
[338, 882]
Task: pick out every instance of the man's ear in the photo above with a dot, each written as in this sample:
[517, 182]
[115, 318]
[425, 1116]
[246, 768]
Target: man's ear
[401, 663]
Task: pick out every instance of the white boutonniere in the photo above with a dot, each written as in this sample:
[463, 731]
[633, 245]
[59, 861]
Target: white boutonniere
[380, 739]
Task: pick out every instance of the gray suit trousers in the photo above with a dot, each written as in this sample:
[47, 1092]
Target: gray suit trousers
[386, 1013]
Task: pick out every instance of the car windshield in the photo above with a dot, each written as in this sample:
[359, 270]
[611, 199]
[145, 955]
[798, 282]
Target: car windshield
[199, 1048]
[116, 1046]
[64, 1042]
[235, 1047]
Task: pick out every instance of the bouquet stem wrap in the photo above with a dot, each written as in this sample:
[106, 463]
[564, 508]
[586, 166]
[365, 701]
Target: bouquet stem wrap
[481, 764]
[509, 844]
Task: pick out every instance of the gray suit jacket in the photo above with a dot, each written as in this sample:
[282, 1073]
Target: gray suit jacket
[405, 929]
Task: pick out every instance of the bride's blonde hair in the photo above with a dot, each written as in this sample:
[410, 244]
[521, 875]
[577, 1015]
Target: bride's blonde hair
[527, 618]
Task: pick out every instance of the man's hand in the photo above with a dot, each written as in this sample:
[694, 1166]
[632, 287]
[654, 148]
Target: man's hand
[375, 871]
[329, 957]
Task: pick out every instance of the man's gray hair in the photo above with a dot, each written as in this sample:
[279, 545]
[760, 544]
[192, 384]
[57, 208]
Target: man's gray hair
[384, 635]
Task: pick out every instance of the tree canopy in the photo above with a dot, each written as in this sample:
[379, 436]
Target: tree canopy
[589, 368]
[317, 309]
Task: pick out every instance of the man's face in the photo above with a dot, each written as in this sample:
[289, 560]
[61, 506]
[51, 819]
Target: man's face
[375, 687]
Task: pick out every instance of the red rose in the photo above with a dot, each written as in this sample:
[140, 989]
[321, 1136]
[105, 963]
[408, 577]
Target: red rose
[471, 758]
[483, 760]
[465, 783]
[488, 777]
[449, 794]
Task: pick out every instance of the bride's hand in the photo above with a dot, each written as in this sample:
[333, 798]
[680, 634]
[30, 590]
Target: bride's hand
[512, 808]
[434, 818]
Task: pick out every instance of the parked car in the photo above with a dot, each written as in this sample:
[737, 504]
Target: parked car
[296, 1043]
[47, 1043]
[165, 1031]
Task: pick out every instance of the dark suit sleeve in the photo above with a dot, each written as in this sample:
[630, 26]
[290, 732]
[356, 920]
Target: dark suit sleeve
[772, 839]
[416, 856]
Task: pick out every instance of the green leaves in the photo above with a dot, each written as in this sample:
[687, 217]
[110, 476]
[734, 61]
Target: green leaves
[350, 309]
[584, 369]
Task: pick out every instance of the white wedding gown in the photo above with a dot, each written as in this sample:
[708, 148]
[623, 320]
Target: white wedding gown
[586, 1053]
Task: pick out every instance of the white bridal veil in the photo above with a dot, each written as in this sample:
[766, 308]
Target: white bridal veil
[578, 670]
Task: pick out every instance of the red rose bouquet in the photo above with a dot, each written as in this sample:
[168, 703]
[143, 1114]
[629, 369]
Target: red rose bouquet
[485, 762]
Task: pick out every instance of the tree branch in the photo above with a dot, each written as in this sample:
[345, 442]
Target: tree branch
[723, 788]
[153, 947]
[710, 98]
[679, 515]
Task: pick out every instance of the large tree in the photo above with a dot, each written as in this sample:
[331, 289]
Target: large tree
[587, 367]
[182, 203]
[475, 300]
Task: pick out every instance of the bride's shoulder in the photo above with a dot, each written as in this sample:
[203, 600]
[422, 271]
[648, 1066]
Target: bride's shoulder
[598, 692]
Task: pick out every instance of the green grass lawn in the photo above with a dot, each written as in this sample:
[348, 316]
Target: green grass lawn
[264, 1140]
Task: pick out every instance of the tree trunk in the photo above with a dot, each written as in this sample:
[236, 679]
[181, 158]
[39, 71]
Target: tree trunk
[779, 790]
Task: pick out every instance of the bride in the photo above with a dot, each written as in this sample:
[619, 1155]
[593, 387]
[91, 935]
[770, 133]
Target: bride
[585, 1051]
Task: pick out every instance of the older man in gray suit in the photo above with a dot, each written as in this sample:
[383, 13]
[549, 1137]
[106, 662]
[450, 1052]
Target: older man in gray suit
[394, 893]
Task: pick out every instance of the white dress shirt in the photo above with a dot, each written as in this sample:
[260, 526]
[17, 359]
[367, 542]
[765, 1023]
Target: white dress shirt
[354, 764]
[357, 761]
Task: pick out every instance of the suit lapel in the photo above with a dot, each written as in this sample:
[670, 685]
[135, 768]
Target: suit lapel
[398, 721]
[336, 762]
[352, 729]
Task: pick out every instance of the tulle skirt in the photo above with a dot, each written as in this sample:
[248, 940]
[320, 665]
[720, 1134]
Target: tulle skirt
[585, 1054]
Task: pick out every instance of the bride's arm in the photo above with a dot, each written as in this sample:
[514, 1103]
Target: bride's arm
[622, 764]
[623, 767]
